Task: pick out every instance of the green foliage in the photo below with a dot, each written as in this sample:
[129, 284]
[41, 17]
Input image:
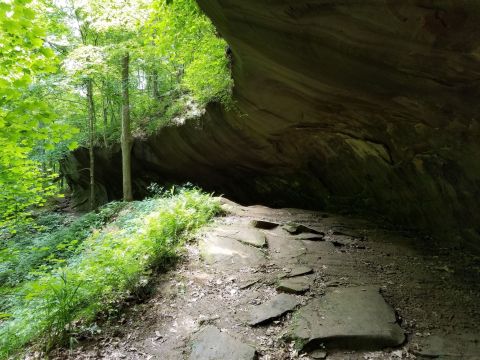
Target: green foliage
[175, 54]
[34, 250]
[25, 121]
[61, 271]
[110, 265]
[187, 40]
[207, 76]
[49, 49]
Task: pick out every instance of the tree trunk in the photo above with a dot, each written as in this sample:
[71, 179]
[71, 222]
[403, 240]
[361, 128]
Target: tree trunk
[105, 118]
[91, 136]
[126, 139]
[62, 176]
[113, 112]
[156, 93]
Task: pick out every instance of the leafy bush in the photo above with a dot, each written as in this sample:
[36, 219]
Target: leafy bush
[109, 266]
[35, 250]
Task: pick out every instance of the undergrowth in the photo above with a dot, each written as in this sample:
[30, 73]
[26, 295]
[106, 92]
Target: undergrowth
[109, 265]
[54, 238]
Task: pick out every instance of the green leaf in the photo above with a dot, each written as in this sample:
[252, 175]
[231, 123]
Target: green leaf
[73, 145]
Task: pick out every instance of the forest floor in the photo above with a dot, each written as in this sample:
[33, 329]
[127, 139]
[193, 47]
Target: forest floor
[301, 285]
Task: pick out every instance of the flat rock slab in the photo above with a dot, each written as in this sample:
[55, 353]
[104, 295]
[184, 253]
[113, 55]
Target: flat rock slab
[356, 318]
[299, 270]
[295, 285]
[296, 229]
[272, 309]
[341, 240]
[263, 224]
[229, 252]
[284, 249]
[212, 344]
[249, 281]
[451, 346]
[250, 237]
[246, 235]
[310, 236]
[231, 207]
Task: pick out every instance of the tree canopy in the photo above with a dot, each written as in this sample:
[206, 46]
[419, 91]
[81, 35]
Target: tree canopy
[51, 50]
[26, 122]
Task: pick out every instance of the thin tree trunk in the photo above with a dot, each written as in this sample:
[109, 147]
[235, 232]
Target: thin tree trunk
[126, 139]
[62, 177]
[156, 93]
[113, 110]
[91, 130]
[105, 118]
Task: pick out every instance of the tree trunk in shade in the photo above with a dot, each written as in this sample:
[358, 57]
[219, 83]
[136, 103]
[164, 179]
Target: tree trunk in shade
[126, 139]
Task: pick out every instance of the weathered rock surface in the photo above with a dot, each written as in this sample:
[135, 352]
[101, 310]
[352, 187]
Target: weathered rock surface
[295, 285]
[297, 229]
[272, 309]
[263, 224]
[365, 104]
[348, 318]
[229, 252]
[299, 270]
[374, 105]
[246, 235]
[447, 347]
[434, 292]
[341, 240]
[212, 344]
[318, 354]
[309, 236]
[284, 250]
[249, 281]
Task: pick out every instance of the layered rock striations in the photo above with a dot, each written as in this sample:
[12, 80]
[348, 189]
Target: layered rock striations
[370, 105]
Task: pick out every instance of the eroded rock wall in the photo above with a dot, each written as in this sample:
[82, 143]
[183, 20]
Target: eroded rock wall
[376, 101]
[369, 105]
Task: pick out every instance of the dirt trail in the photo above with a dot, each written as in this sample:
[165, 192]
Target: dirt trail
[303, 285]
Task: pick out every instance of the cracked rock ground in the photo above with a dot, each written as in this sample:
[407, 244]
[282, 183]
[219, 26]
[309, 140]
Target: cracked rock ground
[270, 284]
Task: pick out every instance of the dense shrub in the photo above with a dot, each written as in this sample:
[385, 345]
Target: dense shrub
[106, 268]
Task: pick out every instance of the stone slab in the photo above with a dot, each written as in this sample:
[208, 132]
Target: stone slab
[246, 234]
[229, 252]
[341, 240]
[212, 344]
[284, 250]
[299, 270]
[356, 318]
[295, 285]
[296, 229]
[250, 237]
[263, 224]
[272, 309]
[450, 346]
[249, 281]
[310, 236]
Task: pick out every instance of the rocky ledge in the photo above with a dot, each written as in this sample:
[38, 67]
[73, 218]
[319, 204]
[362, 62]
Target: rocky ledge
[371, 105]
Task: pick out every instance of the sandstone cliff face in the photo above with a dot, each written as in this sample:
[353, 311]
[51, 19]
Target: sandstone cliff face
[370, 105]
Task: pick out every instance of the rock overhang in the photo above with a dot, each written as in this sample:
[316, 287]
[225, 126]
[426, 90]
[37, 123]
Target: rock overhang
[371, 106]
